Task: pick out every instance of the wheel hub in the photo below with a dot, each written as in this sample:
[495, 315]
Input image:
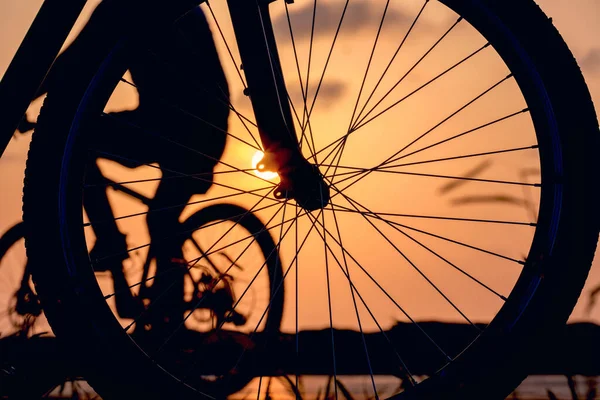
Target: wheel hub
[306, 185]
[300, 181]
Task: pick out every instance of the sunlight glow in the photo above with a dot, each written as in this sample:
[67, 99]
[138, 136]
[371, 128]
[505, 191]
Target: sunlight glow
[256, 158]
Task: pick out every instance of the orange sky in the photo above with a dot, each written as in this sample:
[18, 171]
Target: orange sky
[578, 21]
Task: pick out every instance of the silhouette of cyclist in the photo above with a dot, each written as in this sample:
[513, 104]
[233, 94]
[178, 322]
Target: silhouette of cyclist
[180, 124]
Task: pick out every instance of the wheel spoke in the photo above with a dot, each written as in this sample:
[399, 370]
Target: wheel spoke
[370, 214]
[412, 264]
[487, 153]
[479, 96]
[361, 121]
[404, 369]
[367, 171]
[297, 321]
[235, 64]
[494, 122]
[305, 122]
[386, 165]
[309, 63]
[358, 321]
[385, 292]
[272, 286]
[288, 269]
[340, 208]
[414, 22]
[365, 121]
[303, 136]
[462, 271]
[356, 171]
[326, 259]
[364, 79]
[337, 31]
[335, 164]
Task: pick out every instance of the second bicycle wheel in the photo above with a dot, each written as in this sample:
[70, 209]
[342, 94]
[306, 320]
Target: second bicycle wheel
[457, 138]
[246, 256]
[20, 310]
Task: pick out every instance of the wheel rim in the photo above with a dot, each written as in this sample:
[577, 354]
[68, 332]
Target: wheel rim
[394, 178]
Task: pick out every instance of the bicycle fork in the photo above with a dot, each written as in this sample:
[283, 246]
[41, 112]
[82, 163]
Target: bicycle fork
[300, 180]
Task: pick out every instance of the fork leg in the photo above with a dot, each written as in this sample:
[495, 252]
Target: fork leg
[266, 84]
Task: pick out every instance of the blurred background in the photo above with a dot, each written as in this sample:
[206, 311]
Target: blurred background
[577, 20]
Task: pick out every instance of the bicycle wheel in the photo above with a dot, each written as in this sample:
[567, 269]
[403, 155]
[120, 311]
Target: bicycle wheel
[207, 226]
[457, 139]
[229, 287]
[20, 307]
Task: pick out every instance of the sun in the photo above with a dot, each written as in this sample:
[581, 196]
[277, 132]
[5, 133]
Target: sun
[262, 174]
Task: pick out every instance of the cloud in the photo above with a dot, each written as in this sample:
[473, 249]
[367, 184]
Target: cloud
[591, 61]
[359, 15]
[329, 92]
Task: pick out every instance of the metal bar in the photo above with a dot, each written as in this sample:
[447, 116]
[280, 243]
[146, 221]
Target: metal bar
[266, 86]
[33, 60]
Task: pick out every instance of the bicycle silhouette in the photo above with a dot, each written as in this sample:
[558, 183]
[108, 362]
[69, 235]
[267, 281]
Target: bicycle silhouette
[23, 305]
[360, 110]
[213, 288]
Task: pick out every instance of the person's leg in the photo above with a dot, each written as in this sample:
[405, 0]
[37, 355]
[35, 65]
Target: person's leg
[115, 140]
[110, 248]
[166, 307]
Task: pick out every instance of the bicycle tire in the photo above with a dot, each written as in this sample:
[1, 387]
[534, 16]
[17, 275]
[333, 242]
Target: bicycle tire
[485, 365]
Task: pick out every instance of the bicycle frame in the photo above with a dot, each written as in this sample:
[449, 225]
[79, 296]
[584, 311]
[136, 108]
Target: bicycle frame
[33, 60]
[124, 294]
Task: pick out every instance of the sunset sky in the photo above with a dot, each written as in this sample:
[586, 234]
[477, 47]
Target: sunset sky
[577, 20]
